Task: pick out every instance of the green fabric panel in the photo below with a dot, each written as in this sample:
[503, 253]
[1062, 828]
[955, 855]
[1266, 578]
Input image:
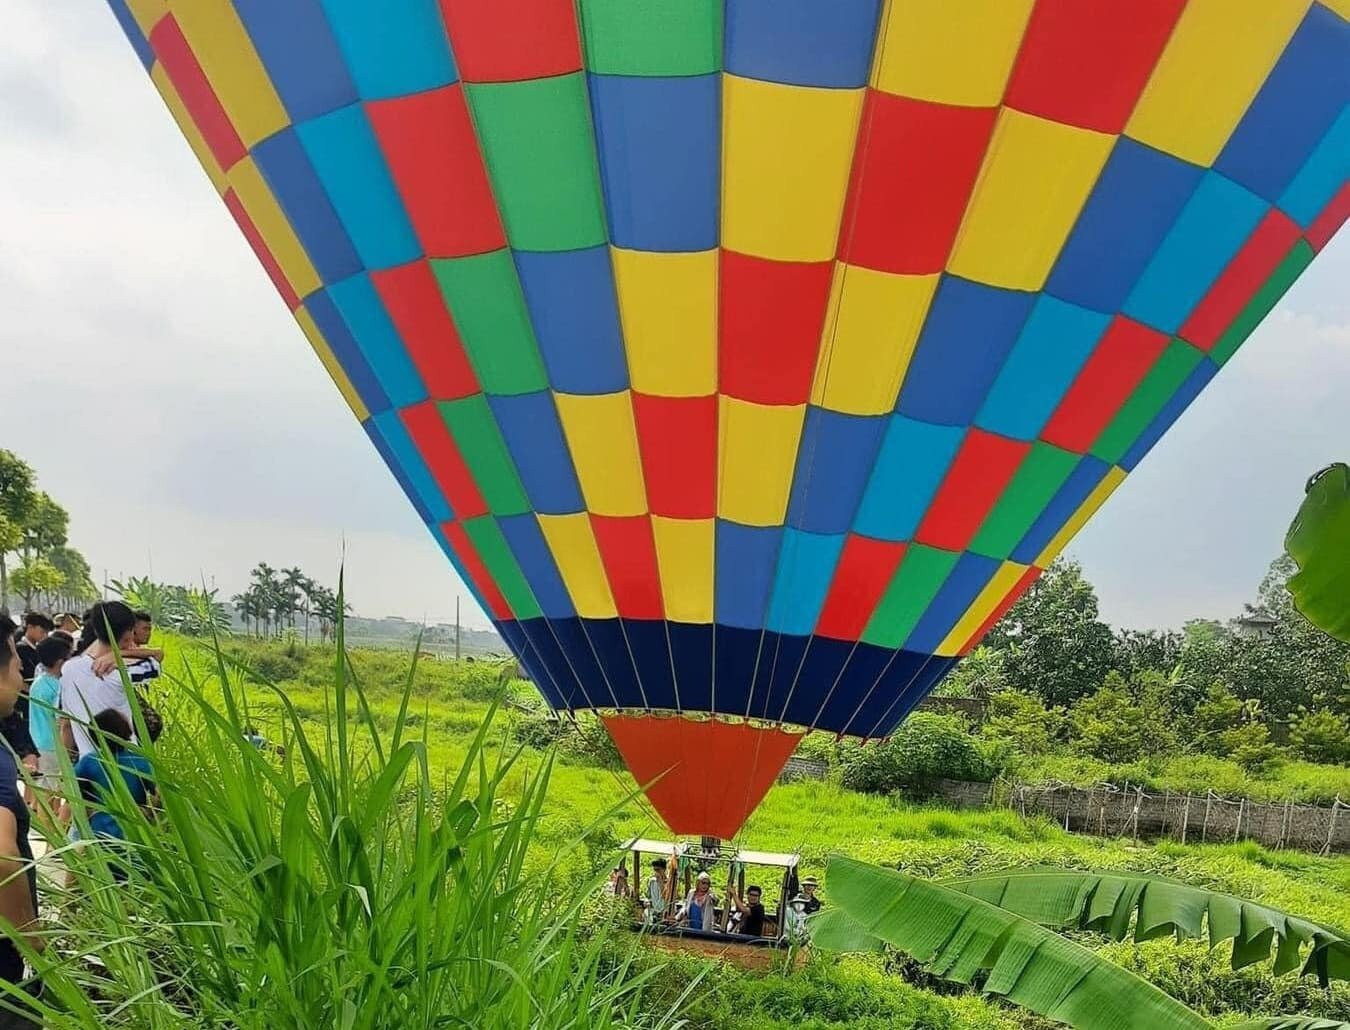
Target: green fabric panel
[480, 442]
[1266, 298]
[1149, 397]
[922, 572]
[483, 294]
[1041, 473]
[652, 37]
[537, 144]
[501, 563]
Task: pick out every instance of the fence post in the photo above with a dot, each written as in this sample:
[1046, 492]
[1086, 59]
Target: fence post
[1204, 830]
[1284, 826]
[1237, 830]
[1331, 833]
[1138, 801]
[1185, 818]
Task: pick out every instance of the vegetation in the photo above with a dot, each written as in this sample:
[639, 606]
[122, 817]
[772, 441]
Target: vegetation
[1318, 540]
[34, 527]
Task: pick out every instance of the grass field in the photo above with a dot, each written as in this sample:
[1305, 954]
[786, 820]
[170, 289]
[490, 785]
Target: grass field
[586, 817]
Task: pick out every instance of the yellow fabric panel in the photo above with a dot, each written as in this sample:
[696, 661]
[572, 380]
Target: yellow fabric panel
[226, 54]
[982, 607]
[1341, 7]
[684, 556]
[1219, 55]
[1085, 511]
[786, 154]
[189, 128]
[871, 327]
[603, 441]
[668, 305]
[147, 13]
[335, 371]
[949, 51]
[1036, 177]
[274, 227]
[757, 446]
[572, 542]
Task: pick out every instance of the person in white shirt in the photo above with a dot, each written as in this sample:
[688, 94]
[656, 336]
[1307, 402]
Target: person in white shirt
[85, 693]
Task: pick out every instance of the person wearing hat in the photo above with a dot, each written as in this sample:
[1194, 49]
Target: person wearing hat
[698, 910]
[654, 903]
[809, 886]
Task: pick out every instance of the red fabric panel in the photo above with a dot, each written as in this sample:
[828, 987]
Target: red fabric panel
[259, 246]
[913, 170]
[771, 314]
[865, 569]
[677, 437]
[429, 143]
[1019, 588]
[1246, 273]
[482, 579]
[629, 556]
[709, 775]
[983, 466]
[1085, 62]
[180, 63]
[415, 305]
[1333, 216]
[1125, 353]
[509, 40]
[429, 431]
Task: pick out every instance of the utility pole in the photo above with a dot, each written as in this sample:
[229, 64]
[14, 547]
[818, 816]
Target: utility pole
[456, 627]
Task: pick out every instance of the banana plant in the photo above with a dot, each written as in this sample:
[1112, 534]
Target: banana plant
[995, 925]
[1319, 542]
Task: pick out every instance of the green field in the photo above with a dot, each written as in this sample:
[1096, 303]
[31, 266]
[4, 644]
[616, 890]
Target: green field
[590, 810]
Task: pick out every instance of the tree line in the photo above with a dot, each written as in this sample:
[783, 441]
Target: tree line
[33, 528]
[277, 599]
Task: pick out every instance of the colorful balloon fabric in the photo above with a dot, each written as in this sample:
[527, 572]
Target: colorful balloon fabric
[748, 358]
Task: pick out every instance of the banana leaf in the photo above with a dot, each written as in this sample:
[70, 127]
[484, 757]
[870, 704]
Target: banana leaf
[1319, 541]
[1292, 1023]
[958, 935]
[1110, 903]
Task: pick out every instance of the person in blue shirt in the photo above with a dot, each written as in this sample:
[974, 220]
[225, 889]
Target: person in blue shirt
[44, 703]
[94, 774]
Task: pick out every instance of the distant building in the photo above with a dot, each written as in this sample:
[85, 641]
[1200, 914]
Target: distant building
[1255, 626]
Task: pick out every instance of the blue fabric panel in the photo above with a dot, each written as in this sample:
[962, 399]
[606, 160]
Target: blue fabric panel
[968, 333]
[1321, 178]
[804, 42]
[659, 141]
[347, 158]
[781, 658]
[392, 48]
[1214, 224]
[913, 459]
[1138, 196]
[539, 633]
[287, 170]
[833, 462]
[301, 55]
[880, 694]
[133, 32]
[651, 657]
[606, 637]
[527, 543]
[570, 295]
[799, 689]
[963, 584]
[1072, 492]
[576, 650]
[538, 672]
[534, 437]
[1305, 91]
[838, 699]
[359, 373]
[806, 566]
[410, 460]
[691, 648]
[387, 455]
[908, 693]
[1188, 390]
[746, 557]
[380, 343]
[458, 566]
[739, 653]
[1053, 345]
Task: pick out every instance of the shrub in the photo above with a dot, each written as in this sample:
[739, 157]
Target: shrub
[1020, 723]
[1249, 746]
[818, 746]
[1321, 736]
[1108, 724]
[1218, 712]
[925, 749]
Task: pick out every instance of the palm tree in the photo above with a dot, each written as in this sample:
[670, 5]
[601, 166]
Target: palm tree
[308, 590]
[292, 588]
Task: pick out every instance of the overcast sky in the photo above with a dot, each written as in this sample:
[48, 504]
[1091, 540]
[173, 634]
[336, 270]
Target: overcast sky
[134, 318]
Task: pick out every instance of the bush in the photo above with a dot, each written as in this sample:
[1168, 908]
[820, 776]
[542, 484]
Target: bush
[1249, 746]
[1108, 724]
[1321, 736]
[818, 746]
[1020, 723]
[925, 749]
[1219, 712]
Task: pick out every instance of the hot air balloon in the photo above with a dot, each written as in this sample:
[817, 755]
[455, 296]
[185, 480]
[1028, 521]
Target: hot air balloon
[749, 358]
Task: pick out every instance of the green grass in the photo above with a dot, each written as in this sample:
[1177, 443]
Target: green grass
[819, 818]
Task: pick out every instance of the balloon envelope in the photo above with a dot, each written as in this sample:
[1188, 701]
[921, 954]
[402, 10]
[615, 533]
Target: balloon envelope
[749, 359]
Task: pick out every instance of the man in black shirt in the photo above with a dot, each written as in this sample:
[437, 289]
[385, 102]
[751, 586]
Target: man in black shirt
[751, 912]
[36, 626]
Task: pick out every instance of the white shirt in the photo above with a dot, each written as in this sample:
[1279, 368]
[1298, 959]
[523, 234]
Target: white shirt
[84, 695]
